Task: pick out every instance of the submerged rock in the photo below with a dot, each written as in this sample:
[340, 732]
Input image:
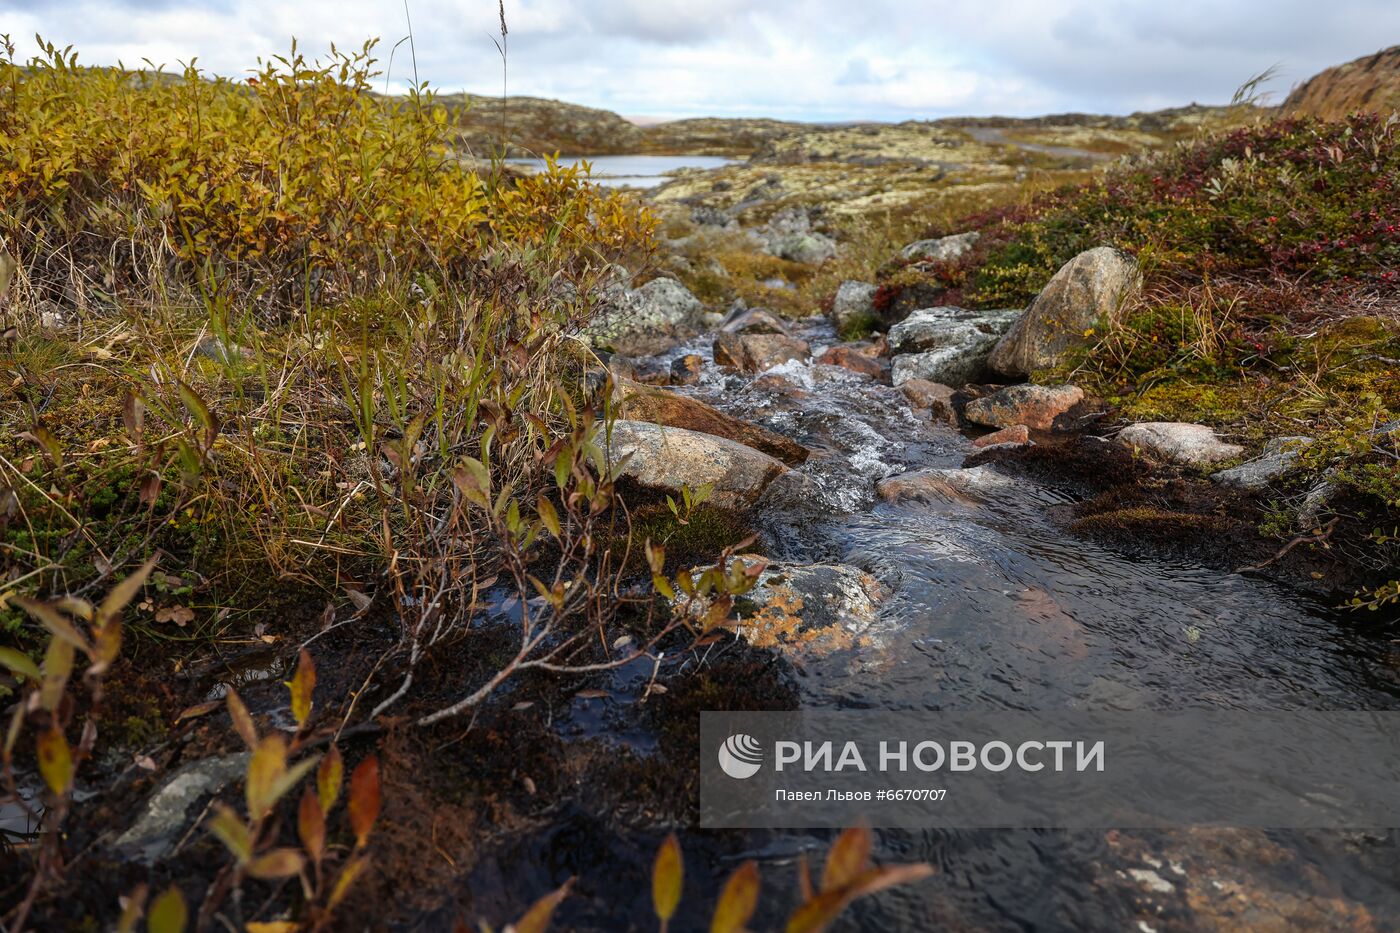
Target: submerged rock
[810, 608]
[755, 353]
[948, 345]
[1035, 407]
[167, 812]
[854, 303]
[942, 249]
[968, 485]
[647, 320]
[1279, 456]
[1084, 297]
[658, 406]
[670, 458]
[1191, 444]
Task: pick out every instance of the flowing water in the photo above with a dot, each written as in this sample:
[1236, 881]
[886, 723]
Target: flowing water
[995, 606]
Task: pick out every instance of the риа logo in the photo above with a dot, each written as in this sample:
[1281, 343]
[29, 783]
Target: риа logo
[741, 756]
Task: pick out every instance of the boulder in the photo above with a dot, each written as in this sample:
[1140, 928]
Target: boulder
[671, 409]
[686, 370]
[942, 249]
[853, 306]
[948, 345]
[671, 458]
[646, 320]
[864, 360]
[1279, 456]
[968, 485]
[1084, 297]
[936, 397]
[755, 353]
[789, 235]
[1190, 444]
[1035, 407]
[1014, 435]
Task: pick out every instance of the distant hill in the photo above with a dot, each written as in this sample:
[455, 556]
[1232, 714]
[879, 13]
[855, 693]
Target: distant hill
[1367, 84]
[536, 126]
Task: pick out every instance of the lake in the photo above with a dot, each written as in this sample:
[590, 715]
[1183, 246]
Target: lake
[633, 171]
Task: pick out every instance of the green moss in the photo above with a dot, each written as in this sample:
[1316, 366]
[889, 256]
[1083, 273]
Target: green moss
[707, 533]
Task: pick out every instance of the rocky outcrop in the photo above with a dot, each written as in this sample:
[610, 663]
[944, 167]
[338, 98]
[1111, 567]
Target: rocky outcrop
[1189, 444]
[1279, 456]
[755, 353]
[647, 320]
[659, 406]
[1083, 298]
[948, 345]
[942, 249]
[1036, 407]
[1370, 84]
[853, 305]
[671, 458]
[789, 235]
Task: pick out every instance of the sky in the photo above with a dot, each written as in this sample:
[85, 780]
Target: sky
[800, 59]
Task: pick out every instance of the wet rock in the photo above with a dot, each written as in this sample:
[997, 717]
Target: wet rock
[168, 811]
[1033, 406]
[968, 486]
[774, 384]
[744, 320]
[1016, 434]
[789, 235]
[1084, 297]
[942, 249]
[755, 353]
[864, 360]
[647, 320]
[948, 345]
[935, 397]
[810, 608]
[854, 304]
[658, 406]
[670, 458]
[1279, 456]
[686, 370]
[1191, 444]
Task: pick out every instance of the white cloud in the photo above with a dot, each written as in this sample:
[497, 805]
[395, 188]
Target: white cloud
[816, 59]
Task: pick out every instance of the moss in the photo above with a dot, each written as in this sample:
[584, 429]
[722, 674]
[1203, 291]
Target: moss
[708, 531]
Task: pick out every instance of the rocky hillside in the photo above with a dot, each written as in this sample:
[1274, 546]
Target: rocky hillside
[1369, 84]
[536, 126]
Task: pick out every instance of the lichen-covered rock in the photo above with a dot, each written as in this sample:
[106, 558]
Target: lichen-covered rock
[789, 235]
[1035, 407]
[1190, 444]
[942, 249]
[659, 406]
[1279, 456]
[756, 353]
[646, 320]
[854, 303]
[168, 811]
[810, 608]
[948, 345]
[968, 485]
[1084, 297]
[671, 458]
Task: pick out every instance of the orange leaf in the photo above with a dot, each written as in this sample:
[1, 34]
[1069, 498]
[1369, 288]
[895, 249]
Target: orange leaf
[667, 878]
[328, 778]
[302, 685]
[265, 769]
[738, 900]
[311, 825]
[242, 721]
[278, 863]
[364, 799]
[849, 856]
[536, 919]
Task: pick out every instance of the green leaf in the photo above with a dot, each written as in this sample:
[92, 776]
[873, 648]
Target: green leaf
[19, 663]
[168, 913]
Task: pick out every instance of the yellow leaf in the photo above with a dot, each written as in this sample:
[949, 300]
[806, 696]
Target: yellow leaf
[19, 663]
[667, 877]
[311, 825]
[124, 592]
[168, 913]
[849, 856]
[302, 685]
[536, 919]
[55, 761]
[278, 863]
[242, 721]
[265, 769]
[737, 901]
[328, 778]
[233, 832]
[348, 874]
[58, 665]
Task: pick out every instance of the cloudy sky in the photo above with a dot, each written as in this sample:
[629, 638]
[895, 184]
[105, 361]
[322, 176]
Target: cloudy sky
[799, 59]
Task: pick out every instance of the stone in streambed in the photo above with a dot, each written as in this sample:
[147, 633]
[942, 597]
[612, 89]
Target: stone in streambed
[686, 370]
[647, 320]
[1190, 444]
[1279, 456]
[933, 397]
[948, 345]
[671, 409]
[744, 320]
[853, 305]
[968, 486]
[864, 360]
[756, 353]
[1014, 435]
[1081, 300]
[671, 458]
[1035, 407]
